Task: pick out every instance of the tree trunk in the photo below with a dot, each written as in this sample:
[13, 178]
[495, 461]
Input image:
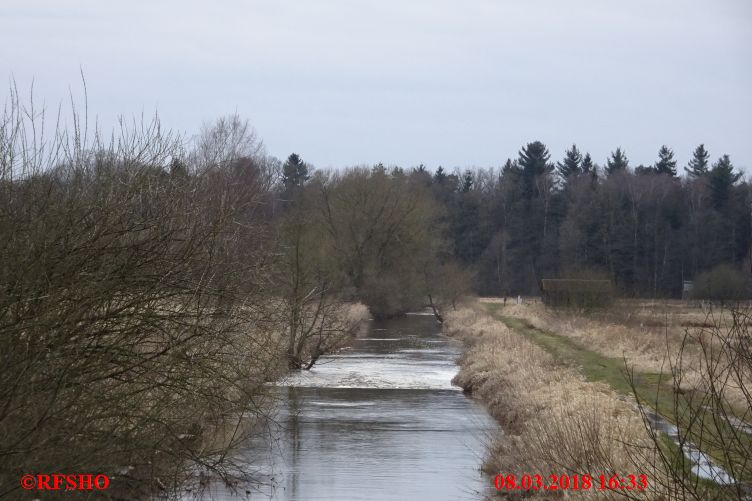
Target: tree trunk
[435, 310]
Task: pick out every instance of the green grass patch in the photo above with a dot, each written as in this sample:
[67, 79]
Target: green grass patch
[653, 390]
[594, 366]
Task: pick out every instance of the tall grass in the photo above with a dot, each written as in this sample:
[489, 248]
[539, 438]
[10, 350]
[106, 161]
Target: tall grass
[647, 335]
[553, 421]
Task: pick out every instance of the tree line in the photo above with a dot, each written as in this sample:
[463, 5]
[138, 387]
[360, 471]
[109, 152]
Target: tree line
[645, 228]
[151, 285]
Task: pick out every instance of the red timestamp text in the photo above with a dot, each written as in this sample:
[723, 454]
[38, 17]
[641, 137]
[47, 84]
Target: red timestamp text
[537, 482]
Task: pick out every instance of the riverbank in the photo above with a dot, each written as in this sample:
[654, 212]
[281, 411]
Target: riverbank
[566, 408]
[687, 365]
[552, 417]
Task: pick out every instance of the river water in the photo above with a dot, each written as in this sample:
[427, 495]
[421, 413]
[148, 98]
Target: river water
[380, 420]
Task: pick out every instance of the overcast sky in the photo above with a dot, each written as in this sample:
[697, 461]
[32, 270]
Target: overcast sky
[439, 82]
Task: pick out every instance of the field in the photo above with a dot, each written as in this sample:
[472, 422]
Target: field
[575, 391]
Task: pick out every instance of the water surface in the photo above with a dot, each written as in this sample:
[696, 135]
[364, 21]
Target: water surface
[380, 420]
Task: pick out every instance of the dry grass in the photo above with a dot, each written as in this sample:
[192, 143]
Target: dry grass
[553, 421]
[643, 346]
[648, 335]
[354, 313]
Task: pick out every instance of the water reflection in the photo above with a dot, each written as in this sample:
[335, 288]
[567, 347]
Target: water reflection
[379, 421]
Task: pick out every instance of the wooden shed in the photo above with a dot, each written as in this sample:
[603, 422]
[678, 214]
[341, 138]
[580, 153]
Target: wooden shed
[577, 293]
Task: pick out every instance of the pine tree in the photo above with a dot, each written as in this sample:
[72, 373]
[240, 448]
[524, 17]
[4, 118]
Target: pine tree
[642, 170]
[588, 167]
[572, 163]
[534, 161]
[440, 175]
[510, 166]
[666, 163]
[618, 161]
[721, 179]
[587, 164]
[698, 166]
[294, 172]
[467, 181]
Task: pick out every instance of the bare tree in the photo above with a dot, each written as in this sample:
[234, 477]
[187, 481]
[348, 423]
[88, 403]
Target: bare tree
[133, 336]
[707, 451]
[307, 283]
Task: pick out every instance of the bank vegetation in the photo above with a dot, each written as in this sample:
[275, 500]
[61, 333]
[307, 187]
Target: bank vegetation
[153, 285]
[655, 388]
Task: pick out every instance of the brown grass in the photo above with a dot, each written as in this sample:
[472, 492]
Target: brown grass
[553, 421]
[647, 334]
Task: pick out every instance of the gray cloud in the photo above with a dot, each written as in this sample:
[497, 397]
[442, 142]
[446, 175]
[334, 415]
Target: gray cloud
[432, 81]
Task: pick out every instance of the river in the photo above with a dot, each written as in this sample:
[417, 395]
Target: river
[380, 420]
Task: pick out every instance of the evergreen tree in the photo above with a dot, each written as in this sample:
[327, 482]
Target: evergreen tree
[698, 166]
[419, 175]
[294, 173]
[534, 161]
[510, 166]
[440, 175]
[721, 179]
[587, 164]
[534, 237]
[616, 162]
[398, 171]
[666, 163]
[572, 163]
[588, 167]
[642, 170]
[467, 181]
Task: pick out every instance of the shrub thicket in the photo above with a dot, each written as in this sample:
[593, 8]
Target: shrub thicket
[723, 283]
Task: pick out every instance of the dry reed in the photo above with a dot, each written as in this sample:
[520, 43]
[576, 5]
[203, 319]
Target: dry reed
[553, 421]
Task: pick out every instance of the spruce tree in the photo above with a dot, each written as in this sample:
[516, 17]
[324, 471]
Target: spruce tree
[467, 181]
[642, 170]
[587, 164]
[698, 166]
[666, 163]
[721, 179]
[534, 161]
[510, 166]
[616, 162]
[588, 167]
[572, 163]
[440, 175]
[294, 172]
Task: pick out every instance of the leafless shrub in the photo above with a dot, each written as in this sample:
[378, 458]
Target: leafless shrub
[306, 280]
[133, 338]
[708, 453]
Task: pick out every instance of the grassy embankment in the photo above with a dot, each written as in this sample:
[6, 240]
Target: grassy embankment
[554, 421]
[546, 388]
[633, 348]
